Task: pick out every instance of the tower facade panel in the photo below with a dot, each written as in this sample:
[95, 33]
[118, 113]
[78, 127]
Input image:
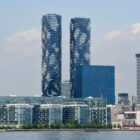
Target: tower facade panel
[51, 55]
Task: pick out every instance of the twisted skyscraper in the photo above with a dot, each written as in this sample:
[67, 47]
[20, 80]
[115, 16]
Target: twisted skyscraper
[51, 55]
[138, 78]
[79, 46]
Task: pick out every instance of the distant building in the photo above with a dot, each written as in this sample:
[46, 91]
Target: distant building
[77, 112]
[31, 100]
[51, 55]
[47, 113]
[18, 110]
[90, 101]
[15, 114]
[134, 100]
[65, 89]
[95, 102]
[95, 81]
[123, 99]
[138, 78]
[102, 114]
[79, 46]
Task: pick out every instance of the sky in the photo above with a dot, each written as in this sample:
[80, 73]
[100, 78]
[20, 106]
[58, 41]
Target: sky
[115, 39]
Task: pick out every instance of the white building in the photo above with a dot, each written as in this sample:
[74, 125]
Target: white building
[132, 118]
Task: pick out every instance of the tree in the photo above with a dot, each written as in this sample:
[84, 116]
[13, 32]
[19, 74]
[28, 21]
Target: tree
[52, 125]
[20, 126]
[114, 126]
[57, 126]
[118, 125]
[39, 126]
[29, 126]
[95, 121]
[62, 125]
[109, 125]
[34, 125]
[104, 126]
[46, 126]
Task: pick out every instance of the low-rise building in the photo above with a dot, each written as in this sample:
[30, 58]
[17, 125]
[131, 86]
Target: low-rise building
[15, 110]
[90, 101]
[31, 100]
[102, 114]
[15, 114]
[47, 113]
[78, 112]
[132, 118]
[123, 99]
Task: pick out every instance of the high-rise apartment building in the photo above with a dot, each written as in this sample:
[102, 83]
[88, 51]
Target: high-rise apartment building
[79, 46]
[138, 78]
[51, 55]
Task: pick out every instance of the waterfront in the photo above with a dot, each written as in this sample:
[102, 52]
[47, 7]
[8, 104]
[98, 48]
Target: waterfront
[64, 135]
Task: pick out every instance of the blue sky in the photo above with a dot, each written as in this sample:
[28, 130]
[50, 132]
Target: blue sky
[115, 40]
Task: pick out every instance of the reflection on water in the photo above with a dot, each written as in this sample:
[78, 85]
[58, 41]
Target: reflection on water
[64, 135]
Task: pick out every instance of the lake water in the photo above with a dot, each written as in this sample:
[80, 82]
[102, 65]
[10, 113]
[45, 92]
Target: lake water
[64, 135]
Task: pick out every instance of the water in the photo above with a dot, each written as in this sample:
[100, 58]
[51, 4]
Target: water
[64, 135]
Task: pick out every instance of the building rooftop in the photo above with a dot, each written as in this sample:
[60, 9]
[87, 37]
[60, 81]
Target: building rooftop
[138, 55]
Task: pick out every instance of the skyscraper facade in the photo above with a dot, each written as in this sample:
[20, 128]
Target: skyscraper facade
[138, 78]
[51, 55]
[65, 88]
[95, 81]
[79, 46]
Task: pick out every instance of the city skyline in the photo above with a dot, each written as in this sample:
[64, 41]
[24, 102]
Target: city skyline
[115, 41]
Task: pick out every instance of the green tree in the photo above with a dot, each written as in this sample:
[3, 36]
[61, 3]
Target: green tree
[104, 126]
[57, 126]
[39, 126]
[109, 125]
[29, 126]
[34, 125]
[20, 126]
[46, 126]
[52, 125]
[62, 125]
[95, 121]
[114, 126]
[118, 125]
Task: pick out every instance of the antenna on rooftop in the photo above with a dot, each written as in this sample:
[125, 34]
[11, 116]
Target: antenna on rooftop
[102, 94]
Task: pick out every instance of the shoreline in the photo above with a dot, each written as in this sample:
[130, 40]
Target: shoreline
[79, 130]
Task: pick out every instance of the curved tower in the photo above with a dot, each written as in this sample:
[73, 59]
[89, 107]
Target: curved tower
[79, 46]
[138, 78]
[51, 55]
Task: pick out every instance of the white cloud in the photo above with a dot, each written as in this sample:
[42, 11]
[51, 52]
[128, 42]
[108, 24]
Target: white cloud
[136, 28]
[24, 43]
[24, 36]
[112, 34]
